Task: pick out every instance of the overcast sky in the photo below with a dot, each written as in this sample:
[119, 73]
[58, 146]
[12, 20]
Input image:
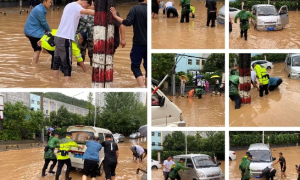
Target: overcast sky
[77, 94]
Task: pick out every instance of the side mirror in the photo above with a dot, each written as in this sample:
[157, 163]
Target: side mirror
[219, 164]
[190, 165]
[273, 158]
[162, 101]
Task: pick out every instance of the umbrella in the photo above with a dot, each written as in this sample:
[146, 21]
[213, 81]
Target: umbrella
[143, 130]
[183, 77]
[215, 76]
[51, 129]
[199, 76]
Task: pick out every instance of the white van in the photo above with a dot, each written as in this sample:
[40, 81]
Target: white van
[268, 19]
[292, 66]
[261, 158]
[81, 135]
[203, 167]
[221, 17]
[164, 111]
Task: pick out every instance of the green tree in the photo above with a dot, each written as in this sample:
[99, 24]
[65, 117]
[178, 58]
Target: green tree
[161, 65]
[91, 109]
[231, 59]
[180, 73]
[174, 141]
[214, 62]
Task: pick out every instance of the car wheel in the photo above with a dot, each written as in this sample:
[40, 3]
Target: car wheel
[268, 67]
[289, 75]
[154, 167]
[100, 170]
[230, 159]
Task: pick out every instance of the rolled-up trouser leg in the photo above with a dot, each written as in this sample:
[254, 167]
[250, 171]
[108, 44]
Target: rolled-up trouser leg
[136, 55]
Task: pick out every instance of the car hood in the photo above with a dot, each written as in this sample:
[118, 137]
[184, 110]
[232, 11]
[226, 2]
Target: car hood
[211, 171]
[272, 19]
[260, 165]
[296, 68]
[222, 10]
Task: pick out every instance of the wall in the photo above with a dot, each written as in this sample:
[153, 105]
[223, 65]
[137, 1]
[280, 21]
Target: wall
[17, 96]
[156, 139]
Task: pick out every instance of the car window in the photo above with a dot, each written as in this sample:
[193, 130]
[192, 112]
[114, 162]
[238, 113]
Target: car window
[101, 137]
[189, 163]
[232, 10]
[155, 100]
[296, 61]
[82, 137]
[288, 61]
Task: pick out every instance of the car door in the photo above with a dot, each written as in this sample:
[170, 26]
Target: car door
[183, 173]
[288, 65]
[190, 174]
[101, 153]
[159, 116]
[284, 15]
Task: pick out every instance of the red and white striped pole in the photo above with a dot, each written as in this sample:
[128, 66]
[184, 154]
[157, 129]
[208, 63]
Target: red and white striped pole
[241, 77]
[245, 77]
[102, 75]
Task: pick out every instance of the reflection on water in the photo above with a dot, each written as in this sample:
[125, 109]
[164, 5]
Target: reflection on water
[169, 33]
[288, 38]
[27, 164]
[157, 174]
[208, 111]
[291, 155]
[16, 55]
[279, 108]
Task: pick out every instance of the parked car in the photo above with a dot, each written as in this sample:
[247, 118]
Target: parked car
[203, 167]
[261, 158]
[119, 137]
[82, 134]
[164, 111]
[268, 19]
[155, 164]
[221, 17]
[266, 64]
[134, 136]
[233, 12]
[292, 66]
[232, 155]
[139, 134]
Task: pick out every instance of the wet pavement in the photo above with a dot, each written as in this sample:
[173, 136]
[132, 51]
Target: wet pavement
[27, 164]
[279, 108]
[169, 33]
[16, 56]
[288, 38]
[208, 111]
[158, 173]
[291, 155]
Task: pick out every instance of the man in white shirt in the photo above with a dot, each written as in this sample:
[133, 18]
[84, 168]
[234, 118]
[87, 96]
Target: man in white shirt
[167, 167]
[138, 152]
[253, 77]
[66, 34]
[182, 85]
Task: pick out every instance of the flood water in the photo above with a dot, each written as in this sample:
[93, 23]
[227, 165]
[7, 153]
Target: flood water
[169, 33]
[27, 164]
[288, 38]
[208, 111]
[279, 108]
[291, 155]
[158, 173]
[16, 56]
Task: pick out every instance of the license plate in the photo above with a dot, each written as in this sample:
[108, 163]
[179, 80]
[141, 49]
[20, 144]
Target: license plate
[258, 177]
[78, 156]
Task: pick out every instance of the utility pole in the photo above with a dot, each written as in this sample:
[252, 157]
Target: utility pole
[42, 109]
[95, 111]
[185, 142]
[173, 80]
[263, 137]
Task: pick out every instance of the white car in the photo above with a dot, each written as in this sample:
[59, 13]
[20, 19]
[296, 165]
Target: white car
[155, 164]
[232, 155]
[292, 66]
[221, 17]
[266, 64]
[232, 12]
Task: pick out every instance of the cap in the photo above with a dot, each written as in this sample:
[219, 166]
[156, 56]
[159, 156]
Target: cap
[83, 35]
[68, 133]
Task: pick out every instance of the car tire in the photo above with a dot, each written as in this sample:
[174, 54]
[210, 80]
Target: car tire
[230, 159]
[269, 67]
[154, 167]
[289, 75]
[100, 170]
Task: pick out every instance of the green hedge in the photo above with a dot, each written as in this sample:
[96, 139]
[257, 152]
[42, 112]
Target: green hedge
[292, 5]
[165, 154]
[247, 139]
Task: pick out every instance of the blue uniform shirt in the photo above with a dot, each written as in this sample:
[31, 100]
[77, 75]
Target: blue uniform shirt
[36, 23]
[273, 81]
[92, 151]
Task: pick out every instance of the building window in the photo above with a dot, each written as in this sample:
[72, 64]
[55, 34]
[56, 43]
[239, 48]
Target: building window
[159, 134]
[153, 133]
[153, 143]
[159, 144]
[38, 102]
[32, 101]
[190, 62]
[46, 111]
[197, 62]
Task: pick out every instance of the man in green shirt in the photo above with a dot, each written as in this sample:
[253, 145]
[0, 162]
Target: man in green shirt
[186, 9]
[49, 153]
[246, 173]
[244, 16]
[179, 166]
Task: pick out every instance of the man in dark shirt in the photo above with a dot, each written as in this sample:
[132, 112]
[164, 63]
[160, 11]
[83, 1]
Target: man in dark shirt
[211, 12]
[282, 162]
[137, 17]
[268, 173]
[111, 154]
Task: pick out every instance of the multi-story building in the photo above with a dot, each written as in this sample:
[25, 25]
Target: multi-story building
[14, 97]
[191, 63]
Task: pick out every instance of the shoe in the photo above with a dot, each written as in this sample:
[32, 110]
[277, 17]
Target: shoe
[245, 38]
[57, 177]
[44, 173]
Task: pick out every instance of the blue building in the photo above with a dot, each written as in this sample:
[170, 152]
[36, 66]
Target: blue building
[156, 140]
[35, 102]
[191, 64]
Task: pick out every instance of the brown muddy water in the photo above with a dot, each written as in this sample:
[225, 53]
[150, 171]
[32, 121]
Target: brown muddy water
[279, 108]
[158, 173]
[16, 56]
[288, 38]
[291, 155]
[27, 164]
[169, 33]
[208, 111]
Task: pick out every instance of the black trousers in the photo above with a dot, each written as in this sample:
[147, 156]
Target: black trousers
[166, 175]
[237, 99]
[172, 11]
[60, 166]
[185, 15]
[216, 87]
[262, 89]
[177, 177]
[47, 161]
[211, 16]
[244, 33]
[109, 169]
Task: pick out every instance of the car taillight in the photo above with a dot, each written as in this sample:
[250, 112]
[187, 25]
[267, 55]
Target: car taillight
[79, 126]
[233, 153]
[159, 162]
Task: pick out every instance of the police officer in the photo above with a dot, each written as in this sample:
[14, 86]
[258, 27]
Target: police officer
[263, 78]
[49, 153]
[211, 12]
[63, 155]
[186, 9]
